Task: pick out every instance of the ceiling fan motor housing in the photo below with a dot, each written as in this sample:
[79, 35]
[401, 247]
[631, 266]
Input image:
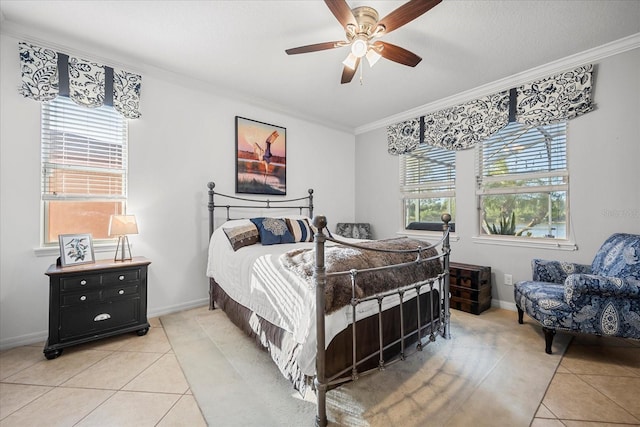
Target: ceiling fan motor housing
[367, 19]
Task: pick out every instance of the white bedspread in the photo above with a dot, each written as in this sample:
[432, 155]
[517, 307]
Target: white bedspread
[254, 277]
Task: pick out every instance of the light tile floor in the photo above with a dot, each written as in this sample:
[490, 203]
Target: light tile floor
[596, 384]
[136, 381]
[125, 380]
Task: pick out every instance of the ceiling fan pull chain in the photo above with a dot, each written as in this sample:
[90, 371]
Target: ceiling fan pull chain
[361, 74]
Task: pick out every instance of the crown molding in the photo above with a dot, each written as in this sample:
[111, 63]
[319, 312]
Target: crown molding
[578, 59]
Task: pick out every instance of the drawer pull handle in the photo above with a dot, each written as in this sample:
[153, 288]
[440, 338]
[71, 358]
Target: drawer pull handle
[83, 298]
[121, 277]
[100, 317]
[121, 292]
[83, 282]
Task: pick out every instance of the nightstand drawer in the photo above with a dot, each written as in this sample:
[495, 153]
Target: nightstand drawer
[79, 321]
[121, 276]
[79, 282]
[123, 291]
[77, 298]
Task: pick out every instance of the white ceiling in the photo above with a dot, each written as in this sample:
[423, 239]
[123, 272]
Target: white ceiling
[238, 46]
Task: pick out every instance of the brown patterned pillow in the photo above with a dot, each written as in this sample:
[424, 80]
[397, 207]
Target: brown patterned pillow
[242, 235]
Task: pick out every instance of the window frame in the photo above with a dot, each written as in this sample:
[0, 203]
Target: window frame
[73, 136]
[440, 188]
[561, 175]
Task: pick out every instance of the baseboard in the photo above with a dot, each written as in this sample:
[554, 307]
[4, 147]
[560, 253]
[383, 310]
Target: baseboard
[27, 339]
[41, 337]
[157, 312]
[504, 304]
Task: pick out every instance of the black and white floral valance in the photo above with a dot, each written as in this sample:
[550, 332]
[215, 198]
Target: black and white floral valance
[556, 98]
[549, 100]
[463, 126]
[47, 74]
[405, 137]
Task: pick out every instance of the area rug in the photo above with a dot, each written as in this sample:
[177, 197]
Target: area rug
[491, 372]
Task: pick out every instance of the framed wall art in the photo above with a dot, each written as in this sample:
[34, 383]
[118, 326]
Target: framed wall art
[76, 249]
[261, 157]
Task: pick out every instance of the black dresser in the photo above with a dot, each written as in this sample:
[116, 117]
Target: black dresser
[92, 301]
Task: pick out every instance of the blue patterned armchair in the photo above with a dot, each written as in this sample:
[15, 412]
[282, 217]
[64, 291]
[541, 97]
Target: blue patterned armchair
[602, 298]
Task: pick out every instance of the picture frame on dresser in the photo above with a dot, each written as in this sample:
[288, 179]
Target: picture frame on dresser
[76, 249]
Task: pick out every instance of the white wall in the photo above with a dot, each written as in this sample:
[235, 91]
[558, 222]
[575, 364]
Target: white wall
[604, 157]
[184, 139]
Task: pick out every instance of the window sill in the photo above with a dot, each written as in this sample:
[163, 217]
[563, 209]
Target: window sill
[562, 245]
[433, 236]
[55, 250]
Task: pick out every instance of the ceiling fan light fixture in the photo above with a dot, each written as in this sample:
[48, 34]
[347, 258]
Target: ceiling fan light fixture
[372, 57]
[350, 61]
[359, 47]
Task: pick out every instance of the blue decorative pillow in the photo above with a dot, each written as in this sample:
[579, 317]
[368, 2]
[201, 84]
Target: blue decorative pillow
[273, 231]
[300, 229]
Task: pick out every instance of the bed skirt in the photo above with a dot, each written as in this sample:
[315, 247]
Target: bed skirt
[283, 348]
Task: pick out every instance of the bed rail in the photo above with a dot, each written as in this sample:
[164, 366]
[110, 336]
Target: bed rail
[438, 325]
[258, 204]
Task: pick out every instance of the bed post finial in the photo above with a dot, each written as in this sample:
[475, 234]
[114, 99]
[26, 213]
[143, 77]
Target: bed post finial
[320, 222]
[446, 218]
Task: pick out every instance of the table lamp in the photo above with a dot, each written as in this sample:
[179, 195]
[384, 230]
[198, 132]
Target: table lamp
[121, 226]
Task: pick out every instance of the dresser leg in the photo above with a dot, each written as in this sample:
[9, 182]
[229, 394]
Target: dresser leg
[52, 354]
[142, 332]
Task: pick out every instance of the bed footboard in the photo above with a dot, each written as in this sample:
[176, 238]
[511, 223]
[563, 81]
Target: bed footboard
[436, 325]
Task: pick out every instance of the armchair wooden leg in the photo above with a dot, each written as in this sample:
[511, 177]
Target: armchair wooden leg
[548, 338]
[520, 315]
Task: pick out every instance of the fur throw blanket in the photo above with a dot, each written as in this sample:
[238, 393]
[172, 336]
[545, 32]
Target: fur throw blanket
[344, 258]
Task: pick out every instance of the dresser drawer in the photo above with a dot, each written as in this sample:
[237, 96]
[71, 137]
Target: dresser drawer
[124, 291]
[79, 298]
[79, 282]
[121, 276]
[92, 319]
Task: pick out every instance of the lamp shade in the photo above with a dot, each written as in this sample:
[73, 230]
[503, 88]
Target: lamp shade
[121, 225]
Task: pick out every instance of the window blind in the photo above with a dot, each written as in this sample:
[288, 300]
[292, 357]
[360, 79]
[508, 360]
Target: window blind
[428, 171]
[84, 152]
[523, 158]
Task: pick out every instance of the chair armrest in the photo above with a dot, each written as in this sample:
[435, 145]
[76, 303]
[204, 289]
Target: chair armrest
[555, 271]
[579, 285]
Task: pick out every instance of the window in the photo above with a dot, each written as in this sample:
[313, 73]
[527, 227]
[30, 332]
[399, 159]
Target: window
[84, 168]
[427, 184]
[522, 179]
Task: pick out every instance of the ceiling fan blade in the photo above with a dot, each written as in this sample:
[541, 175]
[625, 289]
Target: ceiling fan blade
[348, 72]
[406, 13]
[313, 47]
[397, 54]
[342, 12]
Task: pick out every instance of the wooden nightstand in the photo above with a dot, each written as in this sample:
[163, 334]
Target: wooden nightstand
[92, 301]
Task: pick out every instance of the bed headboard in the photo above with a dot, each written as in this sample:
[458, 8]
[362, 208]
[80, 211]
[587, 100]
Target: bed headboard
[220, 200]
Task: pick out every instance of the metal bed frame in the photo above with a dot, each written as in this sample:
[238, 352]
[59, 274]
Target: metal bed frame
[425, 332]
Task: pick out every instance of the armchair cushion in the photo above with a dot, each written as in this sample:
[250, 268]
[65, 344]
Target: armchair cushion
[579, 286]
[555, 271]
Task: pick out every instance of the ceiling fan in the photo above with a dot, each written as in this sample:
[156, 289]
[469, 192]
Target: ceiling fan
[363, 30]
